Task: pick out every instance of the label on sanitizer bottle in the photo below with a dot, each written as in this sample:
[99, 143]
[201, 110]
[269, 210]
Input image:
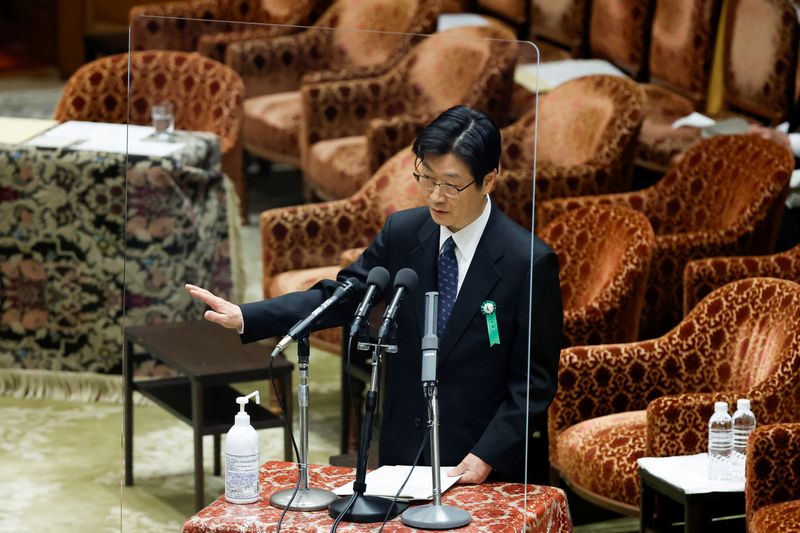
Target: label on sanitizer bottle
[241, 478]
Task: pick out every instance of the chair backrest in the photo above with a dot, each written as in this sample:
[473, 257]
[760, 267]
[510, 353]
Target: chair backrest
[564, 22]
[619, 31]
[745, 333]
[206, 94]
[589, 119]
[771, 477]
[392, 188]
[722, 183]
[761, 38]
[603, 256]
[682, 45]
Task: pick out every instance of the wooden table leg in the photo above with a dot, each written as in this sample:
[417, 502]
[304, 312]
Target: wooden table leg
[696, 521]
[647, 506]
[287, 399]
[197, 426]
[217, 467]
[127, 406]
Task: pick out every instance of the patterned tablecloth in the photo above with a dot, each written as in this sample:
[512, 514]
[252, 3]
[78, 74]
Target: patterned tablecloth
[494, 507]
[64, 238]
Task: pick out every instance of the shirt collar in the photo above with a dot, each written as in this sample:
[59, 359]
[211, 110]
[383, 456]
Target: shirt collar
[467, 238]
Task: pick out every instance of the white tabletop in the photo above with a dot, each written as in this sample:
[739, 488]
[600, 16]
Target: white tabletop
[689, 473]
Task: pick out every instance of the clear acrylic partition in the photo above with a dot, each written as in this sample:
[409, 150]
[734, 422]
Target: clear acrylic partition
[185, 187]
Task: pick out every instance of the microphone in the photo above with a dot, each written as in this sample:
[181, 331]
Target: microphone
[405, 281]
[430, 341]
[341, 293]
[377, 280]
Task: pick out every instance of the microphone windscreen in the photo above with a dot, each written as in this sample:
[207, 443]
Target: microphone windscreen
[406, 278]
[379, 277]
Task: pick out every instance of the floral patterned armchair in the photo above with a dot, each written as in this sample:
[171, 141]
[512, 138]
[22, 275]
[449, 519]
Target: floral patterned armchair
[702, 276]
[772, 486]
[725, 197]
[272, 69]
[167, 26]
[587, 137]
[603, 257]
[207, 96]
[303, 244]
[457, 66]
[616, 403]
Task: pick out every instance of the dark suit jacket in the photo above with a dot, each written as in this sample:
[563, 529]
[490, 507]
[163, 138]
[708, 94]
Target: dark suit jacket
[482, 390]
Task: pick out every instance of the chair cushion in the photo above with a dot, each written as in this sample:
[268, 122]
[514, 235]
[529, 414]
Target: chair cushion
[658, 142]
[299, 280]
[271, 126]
[784, 516]
[337, 168]
[599, 455]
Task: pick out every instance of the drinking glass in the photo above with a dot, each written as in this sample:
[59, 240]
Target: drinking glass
[163, 119]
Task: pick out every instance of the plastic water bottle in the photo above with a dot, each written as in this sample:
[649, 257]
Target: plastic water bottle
[720, 443]
[744, 422]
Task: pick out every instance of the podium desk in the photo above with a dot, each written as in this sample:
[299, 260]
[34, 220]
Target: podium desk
[494, 506]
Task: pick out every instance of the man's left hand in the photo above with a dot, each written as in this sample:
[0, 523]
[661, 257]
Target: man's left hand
[475, 470]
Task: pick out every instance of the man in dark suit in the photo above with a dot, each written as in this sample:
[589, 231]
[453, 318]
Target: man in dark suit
[480, 263]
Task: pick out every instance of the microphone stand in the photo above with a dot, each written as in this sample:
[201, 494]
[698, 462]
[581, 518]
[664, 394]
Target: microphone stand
[306, 499]
[365, 509]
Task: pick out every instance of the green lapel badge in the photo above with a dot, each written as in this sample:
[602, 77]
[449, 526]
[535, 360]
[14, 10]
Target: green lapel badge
[489, 310]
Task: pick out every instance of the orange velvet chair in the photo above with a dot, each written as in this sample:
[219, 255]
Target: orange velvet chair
[272, 69]
[702, 276]
[471, 65]
[167, 25]
[683, 37]
[725, 197]
[772, 486]
[619, 402]
[587, 138]
[303, 244]
[603, 257]
[207, 96]
[560, 29]
[619, 31]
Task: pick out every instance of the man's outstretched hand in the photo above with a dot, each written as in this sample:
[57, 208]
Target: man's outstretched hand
[222, 311]
[474, 469]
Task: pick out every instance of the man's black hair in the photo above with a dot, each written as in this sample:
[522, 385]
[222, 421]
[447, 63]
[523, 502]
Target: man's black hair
[469, 134]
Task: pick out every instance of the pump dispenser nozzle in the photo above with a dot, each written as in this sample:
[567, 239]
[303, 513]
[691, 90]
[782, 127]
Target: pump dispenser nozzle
[242, 418]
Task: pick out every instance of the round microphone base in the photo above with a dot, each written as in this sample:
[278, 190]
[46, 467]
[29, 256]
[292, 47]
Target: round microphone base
[304, 500]
[366, 509]
[436, 517]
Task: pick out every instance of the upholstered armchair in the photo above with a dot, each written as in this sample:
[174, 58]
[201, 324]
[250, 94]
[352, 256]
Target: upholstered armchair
[619, 402]
[603, 257]
[513, 12]
[702, 276]
[725, 197]
[772, 485]
[619, 31]
[560, 29]
[207, 96]
[457, 66]
[166, 26]
[587, 138]
[272, 69]
[303, 244]
[683, 37]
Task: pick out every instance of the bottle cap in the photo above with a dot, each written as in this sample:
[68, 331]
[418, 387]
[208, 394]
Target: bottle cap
[743, 404]
[720, 407]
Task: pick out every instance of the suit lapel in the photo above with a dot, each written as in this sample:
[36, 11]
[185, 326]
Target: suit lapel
[481, 278]
[423, 261]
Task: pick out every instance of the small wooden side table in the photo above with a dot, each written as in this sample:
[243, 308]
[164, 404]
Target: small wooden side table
[209, 358]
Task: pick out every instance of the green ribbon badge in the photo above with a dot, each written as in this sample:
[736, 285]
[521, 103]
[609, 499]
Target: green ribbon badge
[489, 308]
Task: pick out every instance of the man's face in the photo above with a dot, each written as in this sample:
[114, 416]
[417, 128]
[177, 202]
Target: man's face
[454, 213]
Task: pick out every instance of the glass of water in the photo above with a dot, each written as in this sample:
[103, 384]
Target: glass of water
[163, 115]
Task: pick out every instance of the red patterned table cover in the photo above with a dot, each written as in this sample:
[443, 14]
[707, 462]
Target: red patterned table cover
[496, 507]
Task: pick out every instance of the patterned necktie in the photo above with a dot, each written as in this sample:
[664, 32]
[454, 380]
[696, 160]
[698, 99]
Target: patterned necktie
[447, 282]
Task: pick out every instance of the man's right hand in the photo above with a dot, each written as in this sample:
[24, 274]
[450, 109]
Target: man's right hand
[222, 312]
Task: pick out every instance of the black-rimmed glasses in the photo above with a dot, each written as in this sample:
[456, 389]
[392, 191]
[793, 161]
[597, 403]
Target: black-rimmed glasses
[428, 185]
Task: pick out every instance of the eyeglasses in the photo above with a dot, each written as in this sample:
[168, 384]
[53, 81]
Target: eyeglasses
[428, 185]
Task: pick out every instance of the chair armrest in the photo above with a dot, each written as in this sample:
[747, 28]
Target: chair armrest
[196, 9]
[215, 45]
[348, 257]
[772, 455]
[387, 136]
[313, 235]
[550, 209]
[678, 425]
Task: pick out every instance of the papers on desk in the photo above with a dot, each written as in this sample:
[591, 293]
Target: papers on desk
[689, 473]
[554, 73]
[447, 21]
[103, 137]
[387, 480]
[18, 130]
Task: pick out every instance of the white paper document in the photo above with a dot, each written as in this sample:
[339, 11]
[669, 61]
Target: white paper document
[104, 137]
[554, 73]
[387, 480]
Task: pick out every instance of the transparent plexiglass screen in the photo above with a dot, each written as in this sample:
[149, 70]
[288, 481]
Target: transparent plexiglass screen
[263, 158]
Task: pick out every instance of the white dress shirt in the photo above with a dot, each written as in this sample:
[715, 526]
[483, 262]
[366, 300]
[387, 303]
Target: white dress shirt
[466, 240]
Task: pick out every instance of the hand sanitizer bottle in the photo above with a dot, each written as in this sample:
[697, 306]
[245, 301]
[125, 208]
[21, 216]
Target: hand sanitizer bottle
[241, 457]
